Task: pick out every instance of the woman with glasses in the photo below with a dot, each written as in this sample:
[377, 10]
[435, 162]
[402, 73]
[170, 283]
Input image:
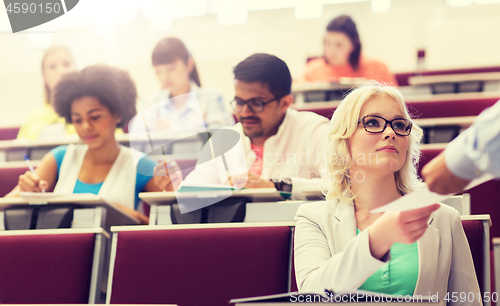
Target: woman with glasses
[340, 245]
[181, 104]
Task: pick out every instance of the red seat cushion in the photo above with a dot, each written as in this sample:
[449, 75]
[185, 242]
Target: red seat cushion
[206, 266]
[451, 108]
[9, 133]
[9, 178]
[474, 230]
[46, 269]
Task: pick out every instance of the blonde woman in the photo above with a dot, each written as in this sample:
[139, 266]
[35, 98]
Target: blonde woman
[339, 245]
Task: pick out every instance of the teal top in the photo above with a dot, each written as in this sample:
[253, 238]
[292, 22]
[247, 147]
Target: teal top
[145, 169]
[397, 276]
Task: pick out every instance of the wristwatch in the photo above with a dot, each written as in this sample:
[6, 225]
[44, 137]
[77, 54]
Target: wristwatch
[283, 185]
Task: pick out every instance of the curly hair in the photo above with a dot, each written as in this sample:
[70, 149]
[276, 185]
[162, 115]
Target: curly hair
[113, 87]
[343, 125]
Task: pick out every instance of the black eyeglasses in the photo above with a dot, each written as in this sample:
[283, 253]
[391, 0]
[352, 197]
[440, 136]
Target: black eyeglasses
[377, 124]
[256, 105]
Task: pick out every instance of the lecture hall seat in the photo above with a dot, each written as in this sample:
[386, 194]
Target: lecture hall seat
[428, 109]
[474, 232]
[202, 265]
[46, 266]
[8, 133]
[449, 108]
[9, 178]
[402, 78]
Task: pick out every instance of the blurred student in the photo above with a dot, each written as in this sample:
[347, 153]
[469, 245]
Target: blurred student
[44, 121]
[281, 147]
[181, 104]
[342, 56]
[96, 100]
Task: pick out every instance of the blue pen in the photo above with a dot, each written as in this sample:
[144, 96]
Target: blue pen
[30, 166]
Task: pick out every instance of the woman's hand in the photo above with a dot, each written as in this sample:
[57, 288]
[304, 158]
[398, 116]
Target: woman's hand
[30, 181]
[403, 227]
[168, 181]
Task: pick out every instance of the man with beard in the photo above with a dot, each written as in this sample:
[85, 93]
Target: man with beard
[280, 147]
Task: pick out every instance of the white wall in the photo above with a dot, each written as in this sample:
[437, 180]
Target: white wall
[452, 37]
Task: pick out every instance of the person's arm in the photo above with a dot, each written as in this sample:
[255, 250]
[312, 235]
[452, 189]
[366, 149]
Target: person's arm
[462, 273]
[45, 177]
[472, 153]
[167, 180]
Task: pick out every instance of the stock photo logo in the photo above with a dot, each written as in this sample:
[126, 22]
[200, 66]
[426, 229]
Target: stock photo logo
[26, 14]
[220, 170]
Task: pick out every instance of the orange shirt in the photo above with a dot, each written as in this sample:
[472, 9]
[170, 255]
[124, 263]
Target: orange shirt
[318, 70]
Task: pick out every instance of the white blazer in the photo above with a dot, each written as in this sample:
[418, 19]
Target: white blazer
[329, 254]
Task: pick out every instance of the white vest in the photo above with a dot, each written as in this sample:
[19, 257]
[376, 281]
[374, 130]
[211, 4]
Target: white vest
[119, 185]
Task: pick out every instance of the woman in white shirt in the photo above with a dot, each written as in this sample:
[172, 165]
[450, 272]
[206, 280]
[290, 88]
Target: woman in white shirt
[181, 104]
[340, 245]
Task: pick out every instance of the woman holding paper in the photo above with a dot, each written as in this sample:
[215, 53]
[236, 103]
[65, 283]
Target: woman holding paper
[340, 245]
[96, 100]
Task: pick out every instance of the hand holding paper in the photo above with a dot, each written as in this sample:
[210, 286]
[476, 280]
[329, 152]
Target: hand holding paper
[424, 197]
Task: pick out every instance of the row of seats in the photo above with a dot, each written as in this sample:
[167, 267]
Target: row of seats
[8, 133]
[187, 265]
[426, 109]
[418, 109]
[402, 78]
[484, 198]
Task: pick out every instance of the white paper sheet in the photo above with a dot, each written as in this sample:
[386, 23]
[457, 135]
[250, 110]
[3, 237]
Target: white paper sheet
[424, 197]
[40, 195]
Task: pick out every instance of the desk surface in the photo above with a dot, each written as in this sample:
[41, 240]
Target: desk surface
[255, 194]
[121, 138]
[115, 214]
[169, 197]
[411, 99]
[464, 121]
[454, 78]
[476, 217]
[343, 83]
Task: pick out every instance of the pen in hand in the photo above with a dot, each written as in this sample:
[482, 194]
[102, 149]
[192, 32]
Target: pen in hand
[30, 166]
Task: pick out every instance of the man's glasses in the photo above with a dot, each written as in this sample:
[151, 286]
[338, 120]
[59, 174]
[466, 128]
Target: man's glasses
[256, 105]
[376, 124]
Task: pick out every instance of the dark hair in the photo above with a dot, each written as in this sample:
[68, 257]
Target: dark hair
[346, 25]
[267, 69]
[171, 49]
[113, 87]
[47, 53]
